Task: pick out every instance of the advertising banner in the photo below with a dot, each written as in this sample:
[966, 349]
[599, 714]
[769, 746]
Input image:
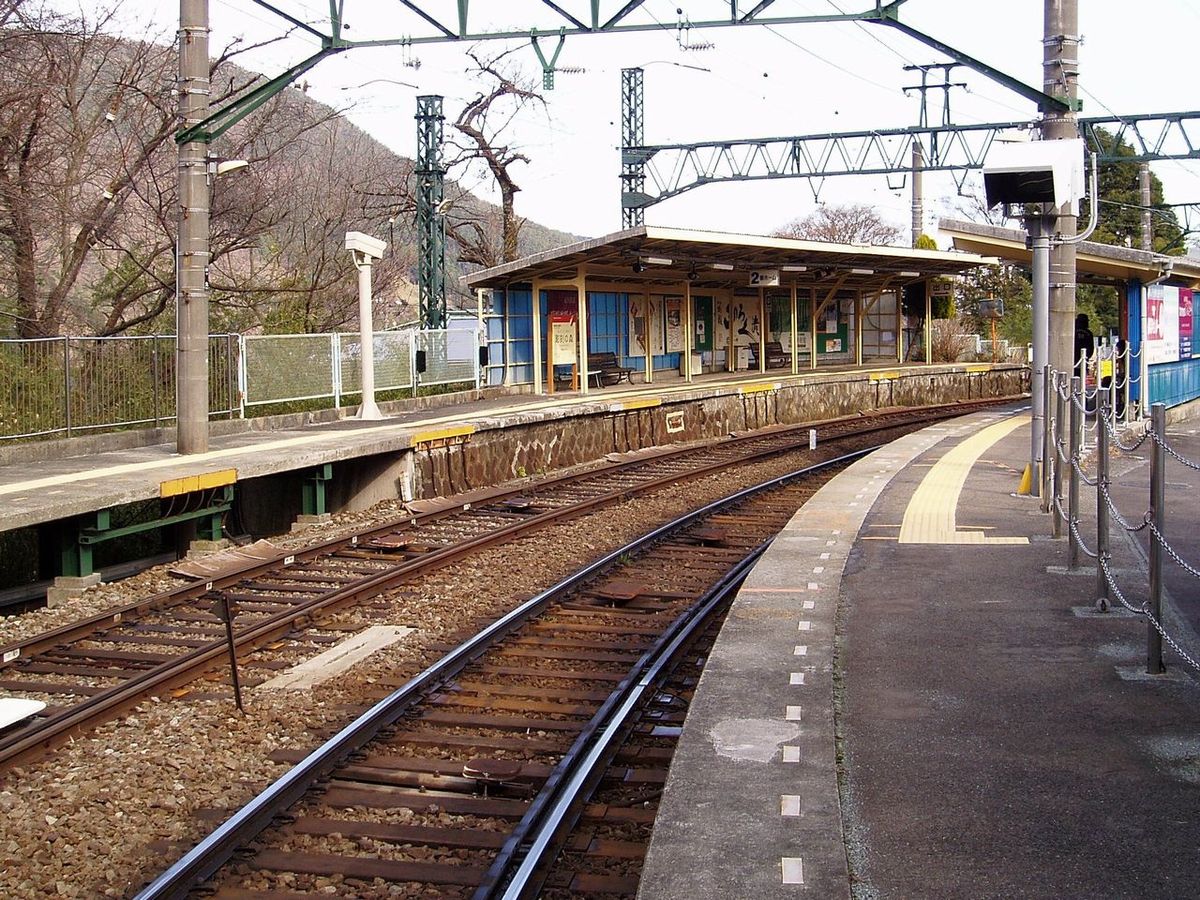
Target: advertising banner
[1162, 324]
[1185, 324]
[673, 308]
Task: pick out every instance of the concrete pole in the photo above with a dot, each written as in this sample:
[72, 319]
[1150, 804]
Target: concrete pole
[1038, 233]
[192, 250]
[366, 337]
[918, 204]
[1147, 223]
[1060, 75]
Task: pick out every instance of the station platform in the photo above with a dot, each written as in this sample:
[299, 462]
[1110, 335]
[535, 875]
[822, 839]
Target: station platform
[913, 697]
[50, 481]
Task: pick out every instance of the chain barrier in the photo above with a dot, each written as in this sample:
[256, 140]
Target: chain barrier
[1105, 426]
[1120, 519]
[1092, 554]
[1161, 440]
[1162, 540]
[1090, 482]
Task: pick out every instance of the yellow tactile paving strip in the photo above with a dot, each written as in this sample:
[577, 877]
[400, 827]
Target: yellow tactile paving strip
[930, 517]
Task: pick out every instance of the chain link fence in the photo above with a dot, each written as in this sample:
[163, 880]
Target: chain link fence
[1078, 408]
[64, 387]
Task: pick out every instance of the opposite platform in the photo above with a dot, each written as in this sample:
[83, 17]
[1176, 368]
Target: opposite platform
[907, 702]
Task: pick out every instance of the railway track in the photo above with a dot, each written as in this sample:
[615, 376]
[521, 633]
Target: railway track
[97, 668]
[469, 779]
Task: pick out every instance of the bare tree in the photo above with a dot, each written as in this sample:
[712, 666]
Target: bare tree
[853, 223]
[483, 124]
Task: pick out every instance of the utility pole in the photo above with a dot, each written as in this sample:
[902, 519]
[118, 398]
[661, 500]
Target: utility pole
[918, 150]
[1147, 223]
[431, 218]
[191, 249]
[633, 167]
[1060, 76]
[918, 197]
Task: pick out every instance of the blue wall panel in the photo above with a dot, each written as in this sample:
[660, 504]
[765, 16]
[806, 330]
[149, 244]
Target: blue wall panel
[1175, 383]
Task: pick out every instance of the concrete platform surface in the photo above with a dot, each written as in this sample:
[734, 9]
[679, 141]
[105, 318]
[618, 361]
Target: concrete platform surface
[911, 699]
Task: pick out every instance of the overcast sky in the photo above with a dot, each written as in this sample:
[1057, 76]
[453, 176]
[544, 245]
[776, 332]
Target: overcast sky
[759, 82]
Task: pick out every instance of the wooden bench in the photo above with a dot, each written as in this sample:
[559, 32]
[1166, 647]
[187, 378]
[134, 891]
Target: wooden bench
[603, 369]
[776, 357]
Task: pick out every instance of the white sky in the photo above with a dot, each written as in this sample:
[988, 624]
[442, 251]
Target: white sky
[799, 79]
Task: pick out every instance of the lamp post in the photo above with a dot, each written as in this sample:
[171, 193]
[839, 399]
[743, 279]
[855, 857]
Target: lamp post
[366, 250]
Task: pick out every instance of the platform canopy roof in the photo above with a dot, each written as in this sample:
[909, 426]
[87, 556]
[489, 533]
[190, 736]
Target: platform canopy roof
[661, 259]
[1094, 263]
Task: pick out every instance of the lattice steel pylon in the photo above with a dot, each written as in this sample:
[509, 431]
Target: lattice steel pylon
[633, 162]
[431, 221]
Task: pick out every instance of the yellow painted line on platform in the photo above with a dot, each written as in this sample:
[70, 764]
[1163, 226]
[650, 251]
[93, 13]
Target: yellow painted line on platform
[190, 483]
[640, 403]
[931, 514]
[884, 376]
[761, 388]
[975, 370]
[440, 434]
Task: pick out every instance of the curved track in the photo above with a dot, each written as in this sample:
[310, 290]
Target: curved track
[469, 778]
[103, 665]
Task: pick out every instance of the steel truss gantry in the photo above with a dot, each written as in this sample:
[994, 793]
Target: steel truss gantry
[430, 173]
[667, 170]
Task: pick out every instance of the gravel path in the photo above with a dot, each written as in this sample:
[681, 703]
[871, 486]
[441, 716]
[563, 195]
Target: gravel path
[102, 815]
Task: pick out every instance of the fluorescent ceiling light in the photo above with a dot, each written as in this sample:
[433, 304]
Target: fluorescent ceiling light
[723, 267]
[862, 271]
[794, 268]
[910, 274]
[656, 261]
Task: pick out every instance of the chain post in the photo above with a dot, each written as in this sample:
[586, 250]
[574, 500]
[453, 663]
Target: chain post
[1073, 480]
[1047, 459]
[1158, 473]
[1101, 503]
[1060, 418]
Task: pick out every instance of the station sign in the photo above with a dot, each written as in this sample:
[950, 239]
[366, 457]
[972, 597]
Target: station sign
[764, 278]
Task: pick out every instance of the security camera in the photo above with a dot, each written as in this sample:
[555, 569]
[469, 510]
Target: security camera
[1036, 172]
[359, 243]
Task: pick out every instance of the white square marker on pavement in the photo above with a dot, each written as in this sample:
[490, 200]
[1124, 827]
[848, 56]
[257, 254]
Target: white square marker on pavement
[810, 604]
[793, 869]
[804, 625]
[801, 650]
[793, 714]
[831, 543]
[817, 570]
[789, 805]
[797, 678]
[791, 754]
[813, 586]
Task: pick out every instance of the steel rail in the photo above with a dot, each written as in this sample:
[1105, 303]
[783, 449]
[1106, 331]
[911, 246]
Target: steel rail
[520, 867]
[186, 667]
[207, 857]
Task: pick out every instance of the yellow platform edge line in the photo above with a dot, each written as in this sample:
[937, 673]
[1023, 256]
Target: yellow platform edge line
[975, 370]
[437, 434]
[641, 403]
[190, 483]
[884, 376]
[759, 388]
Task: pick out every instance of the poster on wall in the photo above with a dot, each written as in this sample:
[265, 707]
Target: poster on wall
[743, 320]
[562, 340]
[721, 324]
[803, 342]
[1162, 324]
[1185, 324]
[673, 309]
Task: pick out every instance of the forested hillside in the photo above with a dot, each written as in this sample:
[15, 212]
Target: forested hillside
[88, 200]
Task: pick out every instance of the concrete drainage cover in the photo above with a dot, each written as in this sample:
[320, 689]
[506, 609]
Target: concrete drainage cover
[751, 740]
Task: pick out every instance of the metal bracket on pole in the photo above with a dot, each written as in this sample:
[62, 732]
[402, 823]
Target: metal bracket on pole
[548, 67]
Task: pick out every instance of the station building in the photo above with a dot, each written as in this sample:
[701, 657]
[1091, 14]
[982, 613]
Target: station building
[656, 305]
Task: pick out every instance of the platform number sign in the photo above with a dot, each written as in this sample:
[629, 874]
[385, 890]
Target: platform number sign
[764, 278]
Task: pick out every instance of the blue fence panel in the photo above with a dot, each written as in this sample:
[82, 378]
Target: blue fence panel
[1175, 383]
